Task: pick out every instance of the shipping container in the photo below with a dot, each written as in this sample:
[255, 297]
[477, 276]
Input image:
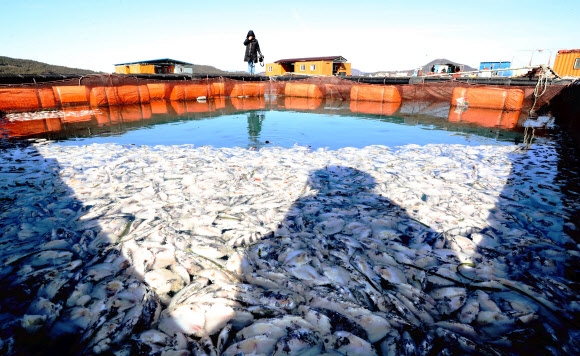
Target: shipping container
[567, 63]
[495, 67]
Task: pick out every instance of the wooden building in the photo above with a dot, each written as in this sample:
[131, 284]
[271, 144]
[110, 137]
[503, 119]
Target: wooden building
[567, 63]
[331, 65]
[155, 66]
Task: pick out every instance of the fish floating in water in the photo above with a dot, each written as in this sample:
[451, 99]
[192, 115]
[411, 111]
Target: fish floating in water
[179, 250]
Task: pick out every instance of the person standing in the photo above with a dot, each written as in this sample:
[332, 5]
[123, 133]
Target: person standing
[252, 50]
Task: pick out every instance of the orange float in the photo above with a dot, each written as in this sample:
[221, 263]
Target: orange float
[71, 95]
[188, 91]
[144, 97]
[47, 99]
[217, 89]
[15, 99]
[156, 91]
[300, 90]
[128, 95]
[248, 89]
[488, 98]
[98, 97]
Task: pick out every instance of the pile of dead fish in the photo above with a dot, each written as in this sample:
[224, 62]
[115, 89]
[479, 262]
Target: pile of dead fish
[181, 250]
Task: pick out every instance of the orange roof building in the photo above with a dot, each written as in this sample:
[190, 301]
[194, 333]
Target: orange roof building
[154, 66]
[329, 65]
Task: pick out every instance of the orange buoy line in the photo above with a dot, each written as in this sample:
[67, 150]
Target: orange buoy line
[106, 91]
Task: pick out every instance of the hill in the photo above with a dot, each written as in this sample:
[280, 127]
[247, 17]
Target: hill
[16, 66]
[205, 69]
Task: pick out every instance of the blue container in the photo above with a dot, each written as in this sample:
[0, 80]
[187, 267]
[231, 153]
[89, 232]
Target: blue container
[494, 66]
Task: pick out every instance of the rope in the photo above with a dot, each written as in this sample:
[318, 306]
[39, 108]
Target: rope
[540, 88]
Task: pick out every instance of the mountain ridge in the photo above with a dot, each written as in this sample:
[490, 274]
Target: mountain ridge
[16, 66]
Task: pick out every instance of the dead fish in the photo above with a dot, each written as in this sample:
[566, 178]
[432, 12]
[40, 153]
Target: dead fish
[469, 311]
[390, 344]
[299, 342]
[348, 344]
[408, 344]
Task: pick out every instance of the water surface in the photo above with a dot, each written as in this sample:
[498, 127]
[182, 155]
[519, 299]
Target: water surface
[259, 122]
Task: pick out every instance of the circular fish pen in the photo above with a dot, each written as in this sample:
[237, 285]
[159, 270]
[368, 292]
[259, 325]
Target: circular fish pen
[178, 249]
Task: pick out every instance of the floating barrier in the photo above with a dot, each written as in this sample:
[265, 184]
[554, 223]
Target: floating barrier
[98, 97]
[485, 117]
[46, 97]
[301, 90]
[71, 95]
[248, 89]
[156, 91]
[217, 90]
[188, 91]
[111, 90]
[120, 95]
[22, 99]
[488, 98]
[380, 93]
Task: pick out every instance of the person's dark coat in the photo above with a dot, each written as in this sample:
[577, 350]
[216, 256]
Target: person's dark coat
[252, 48]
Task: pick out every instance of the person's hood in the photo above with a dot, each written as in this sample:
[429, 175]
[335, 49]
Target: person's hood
[250, 33]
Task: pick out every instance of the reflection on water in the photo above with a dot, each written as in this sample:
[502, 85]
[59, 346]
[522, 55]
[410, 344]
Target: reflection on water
[255, 125]
[313, 122]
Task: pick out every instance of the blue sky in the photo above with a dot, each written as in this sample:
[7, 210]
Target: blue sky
[372, 35]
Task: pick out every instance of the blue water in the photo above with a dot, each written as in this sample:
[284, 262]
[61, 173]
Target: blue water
[289, 128]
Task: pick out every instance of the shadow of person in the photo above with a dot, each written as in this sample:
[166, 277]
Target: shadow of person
[38, 261]
[61, 291]
[339, 274]
[350, 271]
[532, 241]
